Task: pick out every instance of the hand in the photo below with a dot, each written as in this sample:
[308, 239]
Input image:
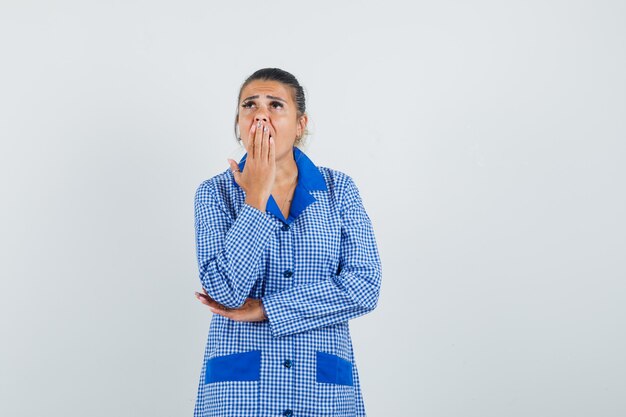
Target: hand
[251, 310]
[259, 174]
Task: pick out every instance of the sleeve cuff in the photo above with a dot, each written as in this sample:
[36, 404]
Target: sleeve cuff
[252, 219]
[271, 306]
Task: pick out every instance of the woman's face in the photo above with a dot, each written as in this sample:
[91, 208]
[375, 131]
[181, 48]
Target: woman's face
[271, 103]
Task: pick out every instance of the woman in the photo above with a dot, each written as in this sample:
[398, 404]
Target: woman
[287, 256]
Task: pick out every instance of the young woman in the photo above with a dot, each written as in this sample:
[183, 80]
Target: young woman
[287, 255]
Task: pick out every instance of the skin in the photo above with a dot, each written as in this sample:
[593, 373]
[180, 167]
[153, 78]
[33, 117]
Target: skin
[269, 122]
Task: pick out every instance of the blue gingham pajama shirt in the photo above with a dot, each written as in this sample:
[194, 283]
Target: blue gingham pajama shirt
[314, 271]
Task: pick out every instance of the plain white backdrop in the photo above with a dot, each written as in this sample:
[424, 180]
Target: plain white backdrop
[487, 139]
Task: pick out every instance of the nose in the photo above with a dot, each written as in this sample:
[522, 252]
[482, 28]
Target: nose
[261, 115]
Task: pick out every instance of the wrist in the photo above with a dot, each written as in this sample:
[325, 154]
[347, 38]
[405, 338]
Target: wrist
[258, 203]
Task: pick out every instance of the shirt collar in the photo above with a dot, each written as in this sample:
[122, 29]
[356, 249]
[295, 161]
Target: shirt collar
[309, 179]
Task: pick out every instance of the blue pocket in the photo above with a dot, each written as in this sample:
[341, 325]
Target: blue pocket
[332, 369]
[245, 366]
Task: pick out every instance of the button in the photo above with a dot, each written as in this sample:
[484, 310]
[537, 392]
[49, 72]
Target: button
[287, 273]
[285, 227]
[287, 363]
[288, 413]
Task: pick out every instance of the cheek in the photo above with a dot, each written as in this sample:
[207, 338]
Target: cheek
[284, 128]
[244, 127]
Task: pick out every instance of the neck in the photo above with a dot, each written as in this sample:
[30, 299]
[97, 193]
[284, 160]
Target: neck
[286, 170]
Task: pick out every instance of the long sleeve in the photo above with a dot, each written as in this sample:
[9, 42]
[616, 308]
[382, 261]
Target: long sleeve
[350, 293]
[228, 249]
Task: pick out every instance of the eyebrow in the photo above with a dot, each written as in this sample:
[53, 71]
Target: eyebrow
[268, 96]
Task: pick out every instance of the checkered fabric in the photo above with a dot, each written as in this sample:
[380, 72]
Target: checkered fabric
[314, 271]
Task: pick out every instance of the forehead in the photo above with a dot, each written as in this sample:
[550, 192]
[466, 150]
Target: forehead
[261, 88]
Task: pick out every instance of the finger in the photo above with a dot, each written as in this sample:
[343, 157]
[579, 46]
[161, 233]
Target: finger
[257, 140]
[206, 294]
[210, 302]
[263, 145]
[203, 297]
[266, 150]
[234, 167]
[250, 142]
[204, 301]
[272, 155]
[222, 313]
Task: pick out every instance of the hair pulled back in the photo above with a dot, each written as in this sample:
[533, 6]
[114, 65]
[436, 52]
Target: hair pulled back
[283, 77]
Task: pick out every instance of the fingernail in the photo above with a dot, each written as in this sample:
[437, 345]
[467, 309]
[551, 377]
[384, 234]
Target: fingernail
[258, 124]
[265, 129]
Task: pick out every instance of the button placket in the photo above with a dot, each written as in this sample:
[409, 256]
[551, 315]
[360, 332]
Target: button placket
[288, 273]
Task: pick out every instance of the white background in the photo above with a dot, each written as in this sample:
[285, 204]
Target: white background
[486, 137]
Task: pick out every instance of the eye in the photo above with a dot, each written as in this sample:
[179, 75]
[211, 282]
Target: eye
[247, 104]
[276, 104]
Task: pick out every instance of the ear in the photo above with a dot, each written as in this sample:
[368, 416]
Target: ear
[302, 122]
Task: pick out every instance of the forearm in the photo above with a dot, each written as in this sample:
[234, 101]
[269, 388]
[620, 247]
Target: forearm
[334, 300]
[227, 269]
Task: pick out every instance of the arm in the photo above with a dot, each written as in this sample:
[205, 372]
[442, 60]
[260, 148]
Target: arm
[228, 250]
[351, 293]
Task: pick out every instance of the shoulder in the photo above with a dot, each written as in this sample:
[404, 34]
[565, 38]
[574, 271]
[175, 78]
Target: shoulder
[340, 185]
[336, 180]
[218, 187]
